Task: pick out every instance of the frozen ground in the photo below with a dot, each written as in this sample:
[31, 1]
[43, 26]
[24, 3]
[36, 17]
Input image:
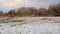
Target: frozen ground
[32, 25]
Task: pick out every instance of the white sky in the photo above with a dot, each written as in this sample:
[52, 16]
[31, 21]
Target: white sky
[12, 4]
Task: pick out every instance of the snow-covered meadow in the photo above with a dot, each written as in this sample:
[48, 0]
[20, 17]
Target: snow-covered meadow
[32, 25]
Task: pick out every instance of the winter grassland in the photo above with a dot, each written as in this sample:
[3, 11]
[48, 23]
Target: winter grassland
[30, 25]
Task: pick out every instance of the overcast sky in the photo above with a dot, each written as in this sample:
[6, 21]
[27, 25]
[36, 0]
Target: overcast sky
[6, 5]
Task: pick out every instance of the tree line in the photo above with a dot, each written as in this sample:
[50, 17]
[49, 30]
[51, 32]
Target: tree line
[53, 10]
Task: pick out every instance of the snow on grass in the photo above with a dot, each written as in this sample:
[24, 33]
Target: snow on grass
[33, 25]
[10, 20]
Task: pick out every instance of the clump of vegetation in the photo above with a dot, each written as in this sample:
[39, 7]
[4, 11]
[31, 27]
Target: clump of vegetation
[7, 21]
[17, 20]
[0, 33]
[57, 22]
[44, 19]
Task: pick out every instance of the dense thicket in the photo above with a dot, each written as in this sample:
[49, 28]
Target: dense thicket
[53, 10]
